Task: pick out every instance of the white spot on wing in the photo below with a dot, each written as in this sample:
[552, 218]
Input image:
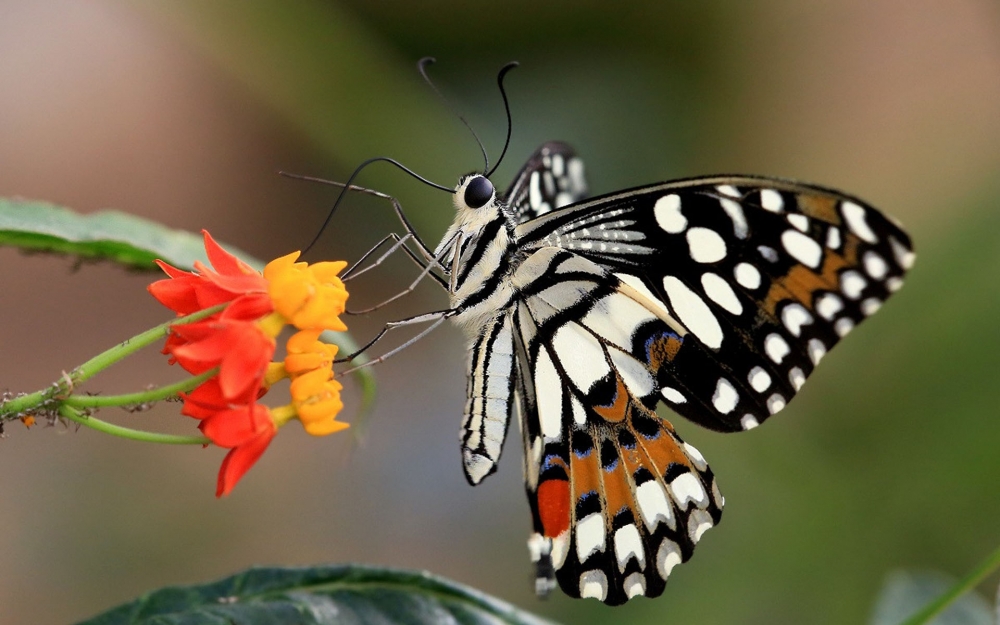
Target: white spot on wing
[796, 377]
[747, 275]
[775, 403]
[904, 256]
[672, 395]
[581, 355]
[851, 284]
[594, 585]
[802, 248]
[698, 523]
[843, 326]
[768, 253]
[776, 347]
[719, 291]
[855, 216]
[579, 414]
[749, 422]
[667, 557]
[534, 190]
[894, 284]
[637, 378]
[696, 457]
[668, 214]
[589, 536]
[706, 246]
[833, 238]
[875, 265]
[694, 313]
[549, 390]
[615, 318]
[634, 585]
[687, 487]
[801, 222]
[653, 505]
[759, 379]
[628, 543]
[794, 316]
[828, 305]
[735, 212]
[771, 200]
[816, 350]
[725, 397]
[728, 189]
[870, 306]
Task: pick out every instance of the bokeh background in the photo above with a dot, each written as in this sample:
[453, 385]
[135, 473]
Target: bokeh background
[182, 112]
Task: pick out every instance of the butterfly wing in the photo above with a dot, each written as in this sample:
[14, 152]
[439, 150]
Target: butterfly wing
[617, 498]
[761, 277]
[552, 178]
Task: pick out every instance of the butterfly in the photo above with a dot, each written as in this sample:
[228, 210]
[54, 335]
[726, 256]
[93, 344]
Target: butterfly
[716, 296]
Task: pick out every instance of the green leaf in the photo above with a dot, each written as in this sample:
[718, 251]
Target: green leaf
[133, 242]
[111, 235]
[321, 595]
[906, 592]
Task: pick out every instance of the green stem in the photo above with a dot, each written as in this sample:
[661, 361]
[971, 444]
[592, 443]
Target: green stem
[27, 403]
[144, 397]
[964, 585]
[104, 360]
[137, 435]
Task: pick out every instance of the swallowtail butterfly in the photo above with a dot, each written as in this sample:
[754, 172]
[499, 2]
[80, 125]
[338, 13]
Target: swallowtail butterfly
[717, 296]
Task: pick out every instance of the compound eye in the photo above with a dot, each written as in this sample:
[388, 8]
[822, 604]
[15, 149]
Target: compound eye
[478, 192]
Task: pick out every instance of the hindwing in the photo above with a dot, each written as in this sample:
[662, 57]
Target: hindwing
[552, 178]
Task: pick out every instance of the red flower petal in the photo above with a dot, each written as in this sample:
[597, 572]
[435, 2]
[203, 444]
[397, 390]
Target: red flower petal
[238, 461]
[238, 426]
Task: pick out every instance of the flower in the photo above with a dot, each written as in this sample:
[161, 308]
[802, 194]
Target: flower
[246, 431]
[239, 343]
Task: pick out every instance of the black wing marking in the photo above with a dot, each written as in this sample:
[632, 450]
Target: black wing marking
[764, 275]
[617, 498]
[552, 178]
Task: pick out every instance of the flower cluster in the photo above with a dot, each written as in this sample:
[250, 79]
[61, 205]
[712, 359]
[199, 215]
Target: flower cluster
[240, 341]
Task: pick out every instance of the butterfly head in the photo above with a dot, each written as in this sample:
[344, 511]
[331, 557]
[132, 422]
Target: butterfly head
[474, 192]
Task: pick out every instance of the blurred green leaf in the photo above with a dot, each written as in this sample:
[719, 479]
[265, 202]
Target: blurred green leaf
[130, 241]
[317, 596]
[906, 592]
[111, 235]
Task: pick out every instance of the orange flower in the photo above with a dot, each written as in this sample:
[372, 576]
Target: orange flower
[246, 431]
[240, 342]
[185, 292]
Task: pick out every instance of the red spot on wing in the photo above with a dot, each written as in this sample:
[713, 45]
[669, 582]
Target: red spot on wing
[553, 506]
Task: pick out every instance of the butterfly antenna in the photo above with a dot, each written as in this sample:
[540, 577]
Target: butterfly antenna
[422, 68]
[347, 186]
[506, 105]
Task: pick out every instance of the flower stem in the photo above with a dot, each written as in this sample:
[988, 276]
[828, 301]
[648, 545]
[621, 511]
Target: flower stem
[970, 581]
[144, 397]
[137, 435]
[105, 359]
[25, 404]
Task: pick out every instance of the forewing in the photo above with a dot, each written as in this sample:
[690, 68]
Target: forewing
[763, 277]
[617, 498]
[552, 178]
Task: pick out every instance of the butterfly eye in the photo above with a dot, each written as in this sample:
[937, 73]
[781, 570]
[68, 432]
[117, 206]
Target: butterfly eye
[478, 192]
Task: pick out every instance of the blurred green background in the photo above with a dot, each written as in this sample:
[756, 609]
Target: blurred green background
[183, 112]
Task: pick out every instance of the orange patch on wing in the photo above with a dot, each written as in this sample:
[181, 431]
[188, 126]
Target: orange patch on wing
[663, 349]
[663, 451]
[616, 411]
[585, 473]
[553, 506]
[820, 207]
[617, 492]
[801, 282]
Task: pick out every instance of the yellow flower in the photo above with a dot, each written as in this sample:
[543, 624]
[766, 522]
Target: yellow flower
[310, 297]
[316, 397]
[306, 352]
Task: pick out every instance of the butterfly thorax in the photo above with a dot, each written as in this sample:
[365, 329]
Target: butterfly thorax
[477, 253]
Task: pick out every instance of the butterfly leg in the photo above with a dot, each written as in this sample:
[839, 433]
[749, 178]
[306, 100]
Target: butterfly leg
[434, 318]
[427, 271]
